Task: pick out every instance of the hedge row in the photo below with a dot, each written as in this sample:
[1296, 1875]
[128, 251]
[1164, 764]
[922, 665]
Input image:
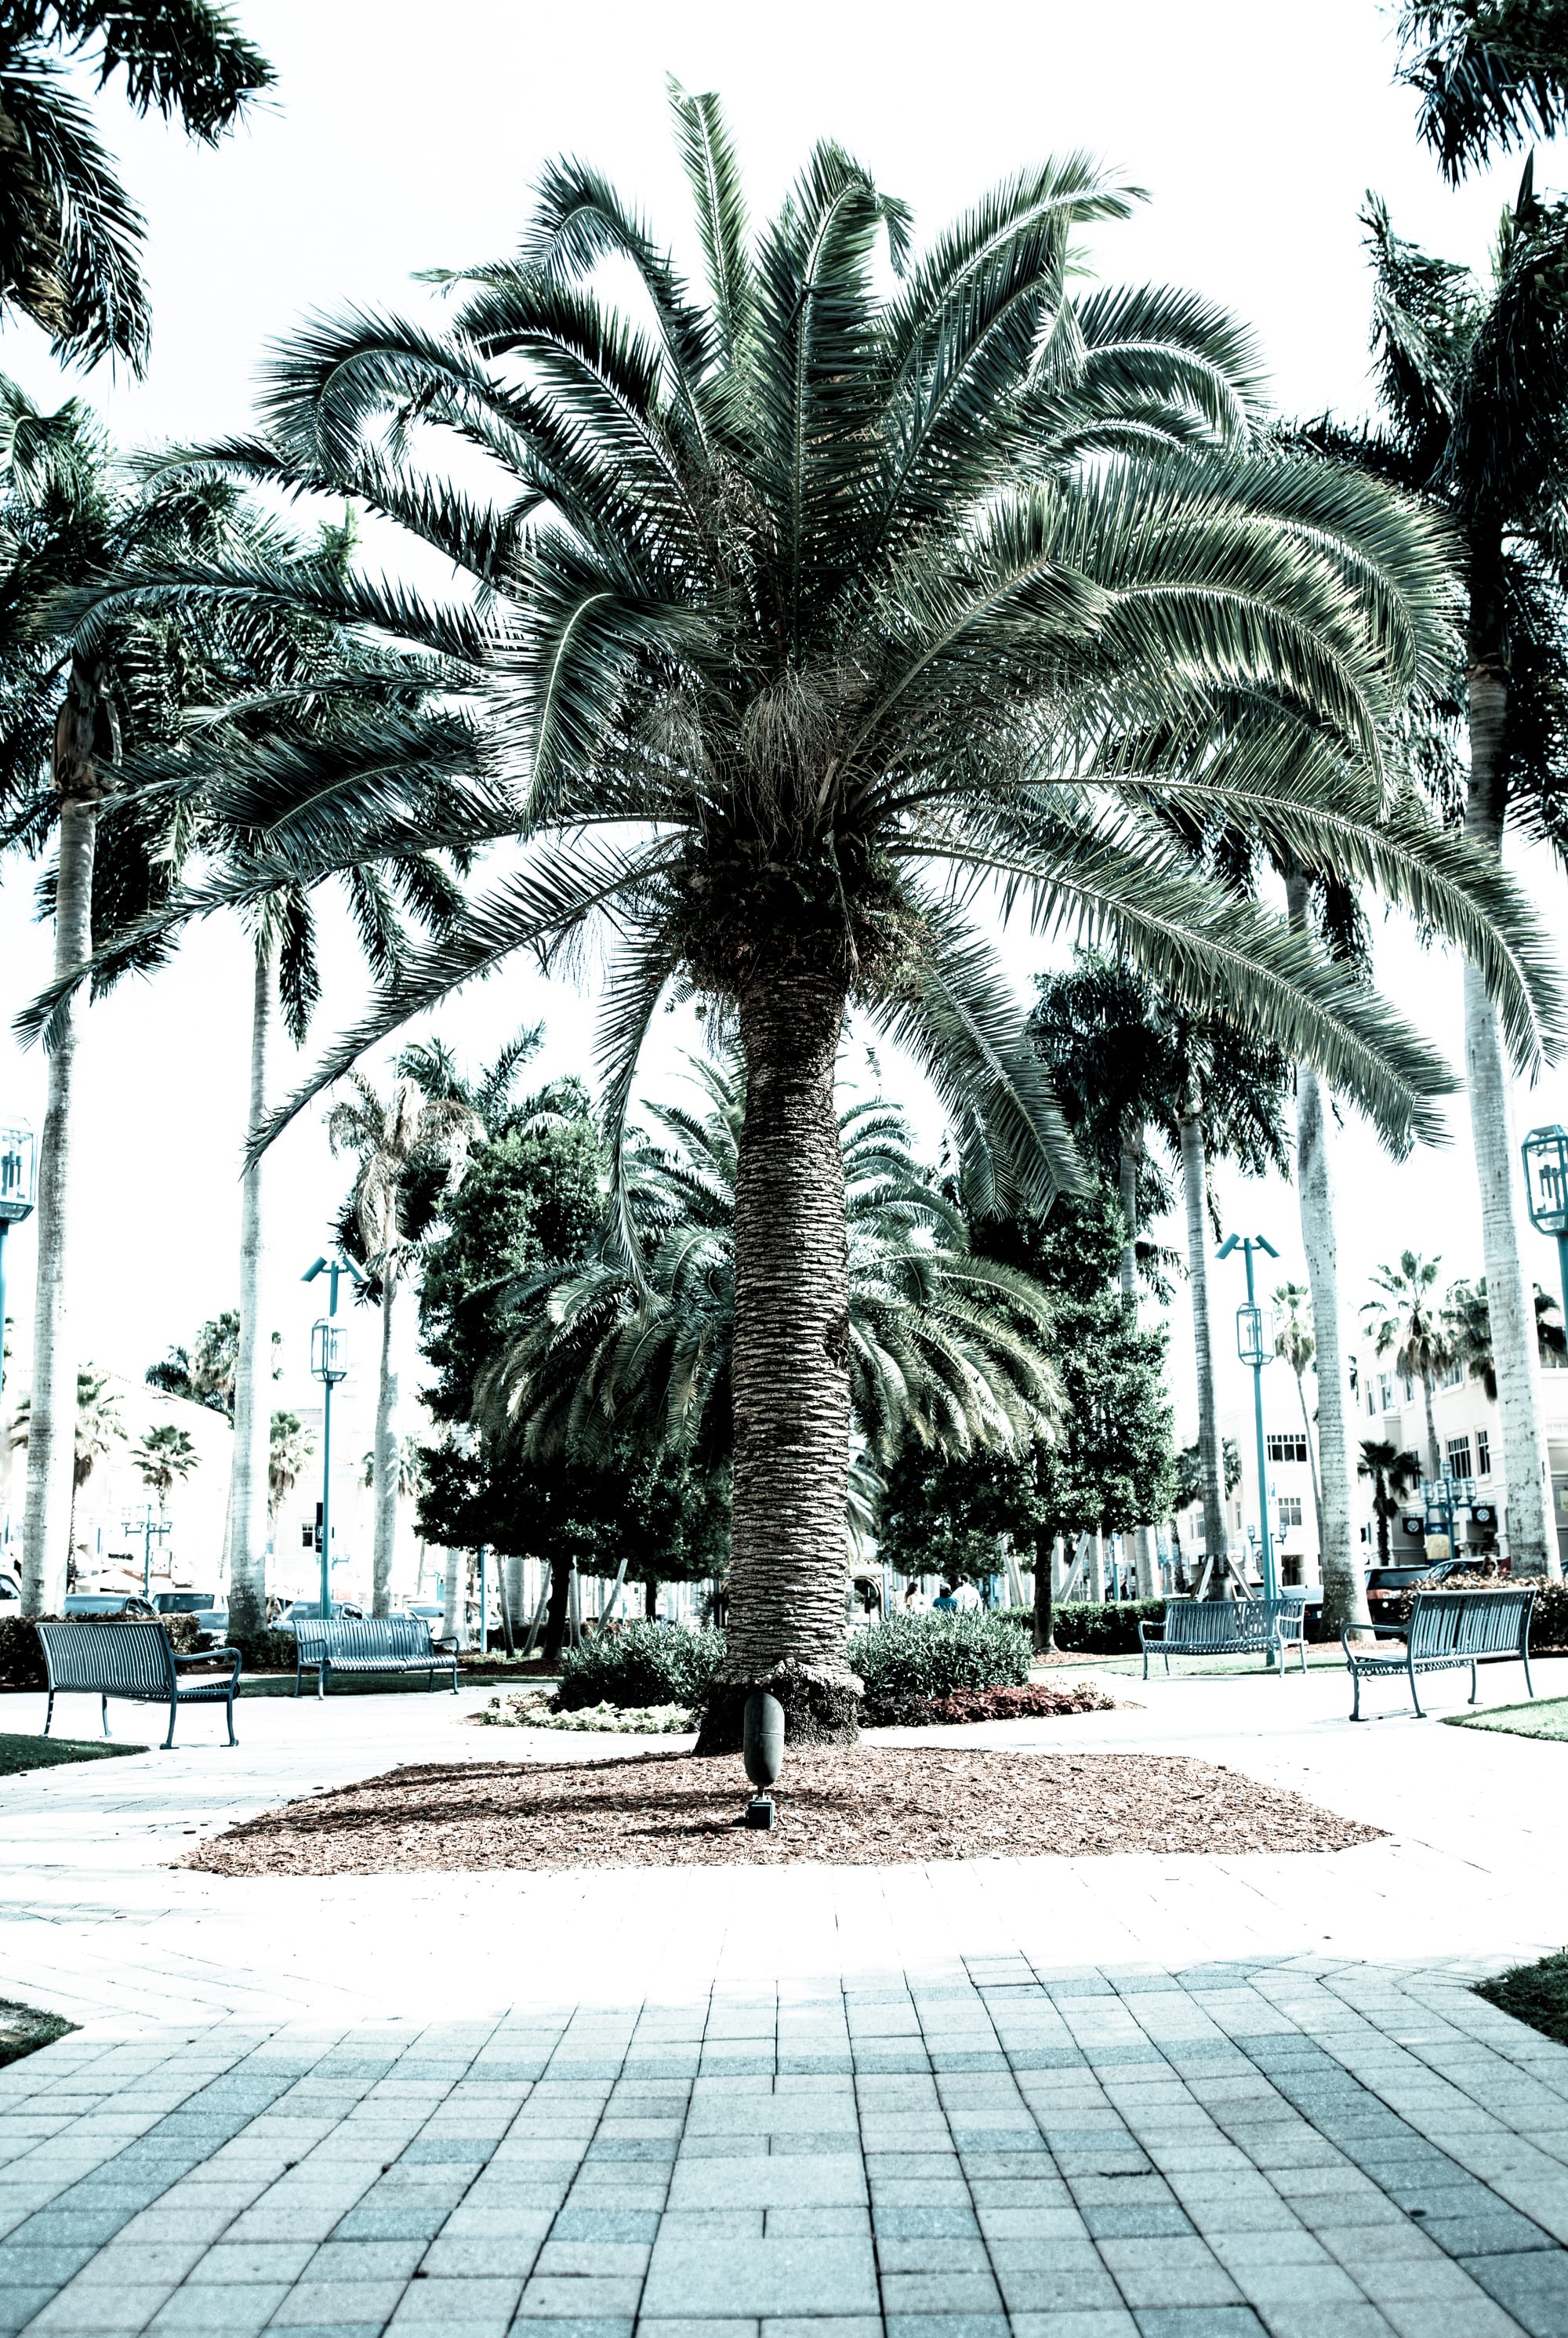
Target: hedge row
[22, 1651]
[1031, 1702]
[1548, 1621]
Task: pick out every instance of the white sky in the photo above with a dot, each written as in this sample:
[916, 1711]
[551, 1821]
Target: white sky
[403, 137]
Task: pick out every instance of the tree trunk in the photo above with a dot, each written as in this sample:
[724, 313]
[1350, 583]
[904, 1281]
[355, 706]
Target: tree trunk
[1195, 1181]
[1434, 1467]
[1532, 1534]
[384, 1457]
[52, 1415]
[1044, 1605]
[555, 1615]
[249, 1518]
[650, 1600]
[1311, 1461]
[1339, 1560]
[1143, 1537]
[786, 1629]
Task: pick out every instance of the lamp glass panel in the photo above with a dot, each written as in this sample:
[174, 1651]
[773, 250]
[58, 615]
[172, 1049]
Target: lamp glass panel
[1546, 1179]
[19, 1171]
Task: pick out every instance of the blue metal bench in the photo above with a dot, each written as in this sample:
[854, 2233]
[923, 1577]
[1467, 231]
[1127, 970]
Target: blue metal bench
[135, 1661]
[1448, 1629]
[1226, 1627]
[368, 1643]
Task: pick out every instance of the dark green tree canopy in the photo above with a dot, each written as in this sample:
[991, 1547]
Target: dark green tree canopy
[1491, 74]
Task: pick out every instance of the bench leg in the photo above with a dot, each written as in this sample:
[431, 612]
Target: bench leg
[1474, 1681]
[104, 1702]
[1356, 1708]
[1524, 1660]
[320, 1680]
[173, 1709]
[230, 1715]
[49, 1716]
[1415, 1692]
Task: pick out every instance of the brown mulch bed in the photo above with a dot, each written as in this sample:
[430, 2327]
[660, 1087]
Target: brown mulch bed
[853, 1806]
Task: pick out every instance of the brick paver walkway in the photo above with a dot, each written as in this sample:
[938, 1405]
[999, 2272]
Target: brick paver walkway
[1089, 2099]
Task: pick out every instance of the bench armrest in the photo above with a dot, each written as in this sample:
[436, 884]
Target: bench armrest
[207, 1655]
[1144, 1629]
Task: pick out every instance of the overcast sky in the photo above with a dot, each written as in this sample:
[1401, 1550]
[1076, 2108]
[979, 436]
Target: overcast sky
[402, 137]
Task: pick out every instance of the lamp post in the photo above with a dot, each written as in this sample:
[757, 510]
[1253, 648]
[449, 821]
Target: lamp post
[147, 1528]
[329, 1364]
[1545, 1156]
[18, 1183]
[1256, 1350]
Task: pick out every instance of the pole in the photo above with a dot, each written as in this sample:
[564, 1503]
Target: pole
[147, 1554]
[484, 1600]
[1561, 1276]
[1270, 1588]
[327, 1500]
[4, 1230]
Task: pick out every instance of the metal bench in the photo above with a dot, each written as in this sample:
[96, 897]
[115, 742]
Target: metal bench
[135, 1661]
[1446, 1630]
[368, 1643]
[1226, 1627]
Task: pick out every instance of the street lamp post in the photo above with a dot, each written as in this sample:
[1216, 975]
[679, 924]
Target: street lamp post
[329, 1364]
[18, 1178]
[1546, 1155]
[1256, 1350]
[147, 1530]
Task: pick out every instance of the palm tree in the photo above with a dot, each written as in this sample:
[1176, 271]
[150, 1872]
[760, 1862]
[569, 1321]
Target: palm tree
[1393, 1474]
[70, 235]
[941, 1343]
[288, 1448]
[165, 1455]
[1296, 1345]
[396, 1138]
[1405, 1322]
[96, 1428]
[1467, 1321]
[791, 610]
[1472, 378]
[1491, 74]
[1125, 1060]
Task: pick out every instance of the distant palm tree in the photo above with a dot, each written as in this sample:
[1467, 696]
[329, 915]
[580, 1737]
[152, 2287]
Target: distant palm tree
[165, 1455]
[70, 236]
[97, 1429]
[1393, 1474]
[288, 1449]
[1294, 1344]
[398, 1138]
[1405, 1321]
[1467, 1320]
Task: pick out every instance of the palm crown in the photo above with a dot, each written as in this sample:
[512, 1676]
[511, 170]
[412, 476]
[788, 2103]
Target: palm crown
[802, 609]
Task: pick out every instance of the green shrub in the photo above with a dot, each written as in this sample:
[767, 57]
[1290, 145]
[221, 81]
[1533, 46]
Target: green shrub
[1548, 1617]
[911, 1657]
[265, 1650]
[640, 1664]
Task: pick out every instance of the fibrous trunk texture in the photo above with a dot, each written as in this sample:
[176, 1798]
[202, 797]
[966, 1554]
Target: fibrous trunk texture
[1339, 1559]
[786, 1624]
[1532, 1538]
[555, 1615]
[1143, 1537]
[1045, 1601]
[52, 1415]
[384, 1461]
[248, 1520]
[1195, 1183]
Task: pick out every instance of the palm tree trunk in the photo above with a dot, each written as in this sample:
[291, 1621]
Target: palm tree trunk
[1312, 1459]
[1143, 1537]
[555, 1615]
[1044, 1599]
[1531, 1535]
[248, 1520]
[1433, 1469]
[383, 1458]
[791, 1382]
[1339, 1563]
[51, 1412]
[1195, 1181]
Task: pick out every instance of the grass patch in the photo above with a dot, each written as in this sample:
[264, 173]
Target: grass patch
[385, 1684]
[23, 2029]
[44, 1752]
[1546, 1717]
[1536, 1994]
[1319, 1659]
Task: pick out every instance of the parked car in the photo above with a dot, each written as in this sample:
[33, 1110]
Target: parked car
[107, 1603]
[203, 1604]
[311, 1607]
[10, 1595]
[1385, 1584]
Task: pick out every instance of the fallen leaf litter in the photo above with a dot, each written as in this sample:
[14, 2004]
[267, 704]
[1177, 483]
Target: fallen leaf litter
[852, 1806]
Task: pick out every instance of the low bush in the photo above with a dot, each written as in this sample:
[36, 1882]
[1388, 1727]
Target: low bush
[264, 1652]
[1536, 1994]
[640, 1664]
[1548, 1619]
[1031, 1702]
[913, 1657]
[22, 1651]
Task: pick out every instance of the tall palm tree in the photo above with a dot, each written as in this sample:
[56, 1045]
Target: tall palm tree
[70, 236]
[1125, 1060]
[792, 609]
[396, 1138]
[166, 1454]
[1296, 1345]
[287, 1450]
[1473, 379]
[1491, 74]
[1393, 1474]
[1405, 1321]
[945, 1345]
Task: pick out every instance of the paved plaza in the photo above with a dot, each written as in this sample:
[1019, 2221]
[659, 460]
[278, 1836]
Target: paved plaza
[1136, 2096]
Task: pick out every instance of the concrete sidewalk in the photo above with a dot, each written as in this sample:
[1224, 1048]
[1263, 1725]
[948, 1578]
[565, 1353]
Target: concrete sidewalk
[1088, 2099]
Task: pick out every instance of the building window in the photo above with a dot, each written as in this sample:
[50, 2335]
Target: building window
[1459, 1452]
[1454, 1377]
[1287, 1449]
[1409, 1389]
[1371, 1401]
[1483, 1453]
[1385, 1392]
[1289, 1512]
